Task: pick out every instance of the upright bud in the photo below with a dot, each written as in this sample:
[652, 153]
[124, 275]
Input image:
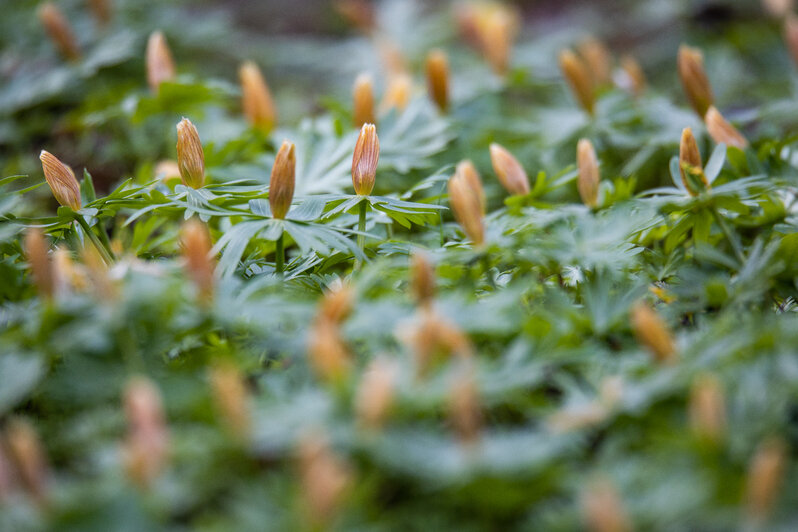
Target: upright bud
[432, 338]
[467, 204]
[365, 159]
[256, 99]
[145, 451]
[281, 185]
[598, 60]
[467, 170]
[722, 131]
[160, 65]
[61, 180]
[602, 508]
[59, 30]
[25, 449]
[337, 303]
[393, 60]
[791, 36]
[232, 399]
[196, 245]
[397, 95]
[422, 278]
[498, 29]
[579, 79]
[465, 411]
[375, 395]
[363, 97]
[101, 9]
[190, 158]
[635, 77]
[511, 174]
[694, 79]
[765, 475]
[588, 182]
[328, 353]
[36, 252]
[690, 165]
[707, 409]
[652, 332]
[437, 69]
[325, 478]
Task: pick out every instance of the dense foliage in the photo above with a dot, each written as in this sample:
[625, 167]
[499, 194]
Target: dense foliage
[604, 337]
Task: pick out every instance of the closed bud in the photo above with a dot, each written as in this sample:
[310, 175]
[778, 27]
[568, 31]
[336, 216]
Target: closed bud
[393, 60]
[160, 65]
[337, 303]
[511, 174]
[467, 204]
[376, 392]
[690, 165]
[256, 99]
[363, 97]
[722, 131]
[39, 260]
[598, 60]
[588, 181]
[101, 9]
[437, 69]
[422, 278]
[651, 331]
[62, 181]
[707, 409]
[196, 244]
[635, 77]
[232, 399]
[765, 476]
[145, 451]
[25, 449]
[694, 79]
[325, 478]
[469, 172]
[778, 8]
[397, 95]
[498, 27]
[602, 508]
[578, 417]
[190, 157]
[365, 159]
[328, 353]
[465, 410]
[281, 185]
[433, 338]
[359, 13]
[59, 30]
[578, 77]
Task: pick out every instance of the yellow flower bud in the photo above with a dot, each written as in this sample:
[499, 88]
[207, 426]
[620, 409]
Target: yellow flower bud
[325, 479]
[690, 165]
[437, 69]
[190, 157]
[694, 79]
[365, 159]
[397, 95]
[497, 26]
[232, 399]
[25, 449]
[598, 60]
[145, 451]
[59, 30]
[652, 332]
[281, 185]
[363, 96]
[465, 411]
[579, 79]
[196, 243]
[634, 74]
[707, 409]
[602, 508]
[469, 172]
[36, 251]
[422, 278]
[256, 99]
[722, 131]
[160, 65]
[61, 180]
[467, 204]
[765, 476]
[511, 174]
[376, 392]
[337, 303]
[588, 182]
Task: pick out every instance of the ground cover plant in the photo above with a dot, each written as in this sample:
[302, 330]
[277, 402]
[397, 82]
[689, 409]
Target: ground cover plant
[413, 266]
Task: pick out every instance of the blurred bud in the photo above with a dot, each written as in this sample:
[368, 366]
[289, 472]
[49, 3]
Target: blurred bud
[433, 338]
[61, 180]
[375, 395]
[337, 303]
[365, 159]
[66, 275]
[588, 181]
[602, 508]
[598, 60]
[579, 79]
[467, 170]
[25, 449]
[652, 332]
[59, 30]
[509, 171]
[232, 399]
[101, 9]
[36, 252]
[190, 157]
[256, 99]
[497, 26]
[778, 8]
[465, 410]
[694, 79]
[397, 95]
[765, 475]
[160, 65]
[422, 278]
[611, 391]
[97, 271]
[437, 68]
[145, 450]
[166, 170]
[467, 204]
[359, 13]
[393, 60]
[690, 165]
[635, 77]
[707, 409]
[363, 95]
[577, 417]
[721, 131]
[328, 353]
[325, 478]
[281, 185]
[196, 243]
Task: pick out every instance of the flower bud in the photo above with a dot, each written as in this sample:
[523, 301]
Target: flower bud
[694, 79]
[422, 278]
[256, 99]
[59, 30]
[509, 171]
[707, 409]
[376, 392]
[61, 180]
[363, 96]
[365, 159]
[232, 399]
[465, 411]
[145, 451]
[690, 165]
[393, 60]
[765, 475]
[101, 9]
[397, 95]
[588, 182]
[25, 449]
[467, 204]
[722, 131]
[196, 243]
[469, 172]
[281, 185]
[190, 157]
[325, 478]
[602, 508]
[498, 26]
[578, 417]
[337, 303]
[160, 65]
[652, 332]
[328, 353]
[579, 79]
[36, 251]
[432, 338]
[598, 60]
[635, 76]
[437, 68]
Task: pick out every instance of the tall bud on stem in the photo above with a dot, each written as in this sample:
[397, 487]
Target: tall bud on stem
[365, 159]
[281, 185]
[652, 332]
[62, 181]
[190, 157]
[765, 475]
[578, 76]
[694, 79]
[511, 174]
[422, 278]
[437, 69]
[160, 65]
[468, 203]
[256, 99]
[42, 268]
[59, 30]
[196, 249]
[146, 447]
[598, 60]
[26, 450]
[588, 181]
[722, 131]
[690, 165]
[363, 101]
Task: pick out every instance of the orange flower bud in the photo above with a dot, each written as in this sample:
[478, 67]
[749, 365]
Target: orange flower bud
[465, 410]
[328, 353]
[694, 79]
[690, 165]
[59, 30]
[397, 95]
[511, 174]
[598, 60]
[602, 508]
[337, 303]
[325, 478]
[36, 251]
[25, 449]
[160, 65]
[422, 278]
[432, 338]
[190, 157]
[363, 95]
[707, 409]
[765, 475]
[145, 451]
[634, 74]
[101, 9]
[579, 79]
[588, 182]
[498, 26]
[652, 332]
[375, 395]
[196, 244]
[281, 185]
[365, 159]
[232, 399]
[256, 99]
[722, 131]
[437, 68]
[467, 205]
[61, 180]
[467, 170]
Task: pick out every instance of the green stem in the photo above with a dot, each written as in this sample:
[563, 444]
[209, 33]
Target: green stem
[104, 252]
[279, 254]
[486, 267]
[361, 228]
[735, 244]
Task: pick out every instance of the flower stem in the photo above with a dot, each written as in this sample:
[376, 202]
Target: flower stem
[106, 253]
[279, 254]
[361, 228]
